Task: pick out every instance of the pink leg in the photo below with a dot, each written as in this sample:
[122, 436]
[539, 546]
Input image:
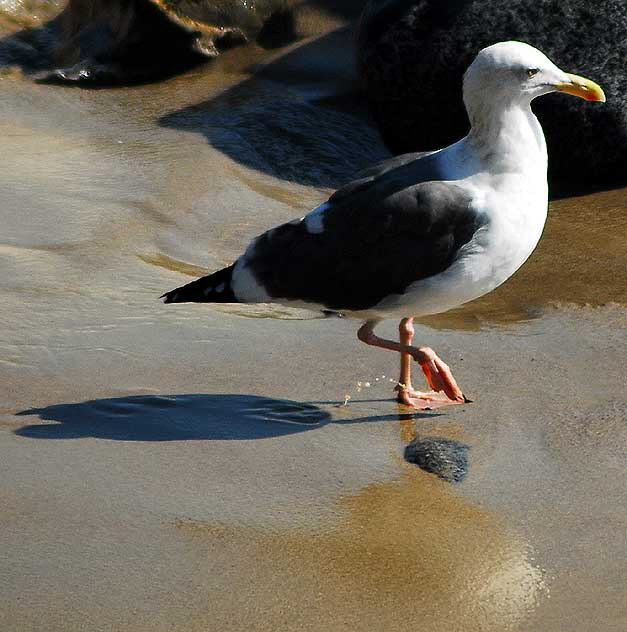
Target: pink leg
[406, 337]
[439, 376]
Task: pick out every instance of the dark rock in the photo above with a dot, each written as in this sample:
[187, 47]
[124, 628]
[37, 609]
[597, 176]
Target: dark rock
[101, 41]
[445, 458]
[126, 41]
[412, 56]
[96, 42]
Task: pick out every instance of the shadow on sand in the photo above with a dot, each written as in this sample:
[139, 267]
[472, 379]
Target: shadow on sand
[224, 417]
[175, 418]
[185, 417]
[300, 118]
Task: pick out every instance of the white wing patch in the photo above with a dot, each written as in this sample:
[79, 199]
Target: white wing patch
[245, 286]
[314, 220]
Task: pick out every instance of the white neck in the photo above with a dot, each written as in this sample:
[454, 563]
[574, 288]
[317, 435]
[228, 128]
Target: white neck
[507, 135]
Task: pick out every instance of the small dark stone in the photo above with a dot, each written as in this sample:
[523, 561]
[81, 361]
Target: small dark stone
[445, 458]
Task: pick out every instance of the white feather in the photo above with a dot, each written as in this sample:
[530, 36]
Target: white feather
[243, 282]
[314, 220]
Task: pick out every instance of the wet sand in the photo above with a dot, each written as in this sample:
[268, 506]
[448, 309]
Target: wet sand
[189, 468]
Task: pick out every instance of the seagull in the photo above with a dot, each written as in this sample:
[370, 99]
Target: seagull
[420, 233]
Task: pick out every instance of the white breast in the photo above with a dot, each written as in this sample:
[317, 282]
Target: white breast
[516, 212]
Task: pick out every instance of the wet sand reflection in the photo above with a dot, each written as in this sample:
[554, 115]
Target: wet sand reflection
[403, 553]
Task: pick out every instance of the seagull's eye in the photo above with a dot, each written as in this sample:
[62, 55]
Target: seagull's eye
[532, 72]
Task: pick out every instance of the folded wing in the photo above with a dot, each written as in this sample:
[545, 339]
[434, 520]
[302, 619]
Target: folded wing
[371, 240]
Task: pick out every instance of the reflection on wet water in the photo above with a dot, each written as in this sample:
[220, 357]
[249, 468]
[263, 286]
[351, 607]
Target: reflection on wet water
[405, 553]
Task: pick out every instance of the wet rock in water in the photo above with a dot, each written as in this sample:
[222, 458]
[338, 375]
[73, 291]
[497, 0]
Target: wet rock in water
[113, 41]
[445, 458]
[412, 55]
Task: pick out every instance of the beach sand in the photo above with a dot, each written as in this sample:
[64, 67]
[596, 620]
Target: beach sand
[191, 467]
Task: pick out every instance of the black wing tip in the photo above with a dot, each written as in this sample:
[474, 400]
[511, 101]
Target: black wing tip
[169, 297]
[214, 288]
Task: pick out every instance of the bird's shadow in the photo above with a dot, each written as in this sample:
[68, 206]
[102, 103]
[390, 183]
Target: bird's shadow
[185, 417]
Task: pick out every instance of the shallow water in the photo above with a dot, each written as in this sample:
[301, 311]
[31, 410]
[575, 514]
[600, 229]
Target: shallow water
[162, 449]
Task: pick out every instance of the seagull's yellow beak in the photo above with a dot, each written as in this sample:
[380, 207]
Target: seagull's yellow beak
[582, 87]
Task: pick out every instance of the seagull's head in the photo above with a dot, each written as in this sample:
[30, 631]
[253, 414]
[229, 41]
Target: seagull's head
[517, 72]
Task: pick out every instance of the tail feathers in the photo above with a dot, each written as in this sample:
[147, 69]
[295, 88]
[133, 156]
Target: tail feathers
[215, 288]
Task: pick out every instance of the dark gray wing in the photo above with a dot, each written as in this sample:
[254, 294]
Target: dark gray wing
[403, 171]
[378, 237]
